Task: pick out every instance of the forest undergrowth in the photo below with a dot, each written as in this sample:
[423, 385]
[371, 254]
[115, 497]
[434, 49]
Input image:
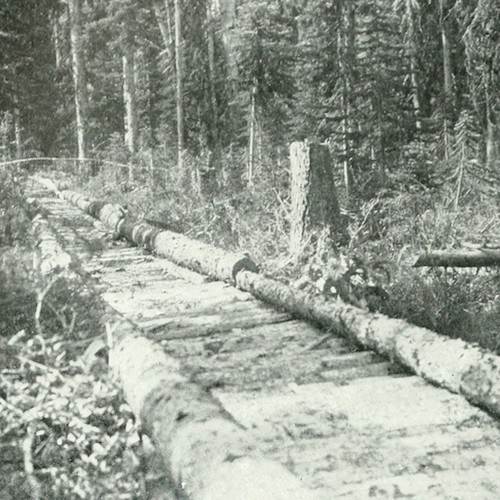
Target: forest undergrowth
[65, 431]
[389, 227]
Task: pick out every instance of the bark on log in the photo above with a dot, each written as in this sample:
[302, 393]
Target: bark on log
[198, 256]
[208, 455]
[451, 363]
[480, 257]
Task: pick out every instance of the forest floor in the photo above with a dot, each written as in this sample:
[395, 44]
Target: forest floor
[387, 234]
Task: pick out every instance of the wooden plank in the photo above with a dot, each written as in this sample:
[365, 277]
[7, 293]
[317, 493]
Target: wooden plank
[199, 326]
[478, 483]
[452, 363]
[360, 440]
[287, 337]
[407, 402]
[261, 374]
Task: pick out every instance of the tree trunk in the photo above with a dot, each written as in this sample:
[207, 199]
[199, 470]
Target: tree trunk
[129, 92]
[57, 40]
[448, 78]
[314, 200]
[79, 78]
[252, 133]
[415, 86]
[18, 132]
[491, 131]
[347, 55]
[461, 175]
[227, 11]
[164, 25]
[211, 171]
[179, 84]
[447, 72]
[491, 143]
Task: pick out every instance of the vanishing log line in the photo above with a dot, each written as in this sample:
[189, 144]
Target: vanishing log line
[451, 363]
[207, 454]
[225, 380]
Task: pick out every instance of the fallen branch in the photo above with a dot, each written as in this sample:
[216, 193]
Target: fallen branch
[480, 257]
[44, 368]
[10, 407]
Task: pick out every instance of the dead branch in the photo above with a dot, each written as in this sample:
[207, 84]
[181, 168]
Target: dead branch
[480, 257]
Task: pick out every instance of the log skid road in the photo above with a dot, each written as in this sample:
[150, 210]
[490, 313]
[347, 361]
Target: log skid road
[346, 422]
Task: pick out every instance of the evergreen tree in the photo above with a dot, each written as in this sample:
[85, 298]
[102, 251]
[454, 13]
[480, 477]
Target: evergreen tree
[482, 37]
[28, 83]
[264, 53]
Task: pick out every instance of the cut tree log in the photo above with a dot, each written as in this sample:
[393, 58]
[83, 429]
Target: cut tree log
[451, 363]
[208, 455]
[480, 257]
[198, 256]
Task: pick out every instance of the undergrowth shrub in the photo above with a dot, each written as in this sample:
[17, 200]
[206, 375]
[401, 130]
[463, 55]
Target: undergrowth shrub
[457, 304]
[57, 413]
[14, 212]
[81, 437]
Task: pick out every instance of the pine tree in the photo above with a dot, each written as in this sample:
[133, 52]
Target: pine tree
[483, 67]
[28, 89]
[264, 57]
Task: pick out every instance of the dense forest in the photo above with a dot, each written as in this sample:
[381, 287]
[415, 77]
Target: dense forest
[183, 111]
[405, 92]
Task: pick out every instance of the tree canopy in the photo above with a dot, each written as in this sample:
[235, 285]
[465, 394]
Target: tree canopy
[384, 82]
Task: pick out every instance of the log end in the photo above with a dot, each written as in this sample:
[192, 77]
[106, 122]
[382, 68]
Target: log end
[244, 264]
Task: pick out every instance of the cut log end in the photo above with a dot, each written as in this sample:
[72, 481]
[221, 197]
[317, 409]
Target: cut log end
[244, 264]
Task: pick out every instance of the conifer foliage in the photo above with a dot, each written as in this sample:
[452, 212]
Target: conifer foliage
[373, 79]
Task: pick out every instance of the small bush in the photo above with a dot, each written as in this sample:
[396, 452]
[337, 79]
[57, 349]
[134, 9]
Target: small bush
[65, 418]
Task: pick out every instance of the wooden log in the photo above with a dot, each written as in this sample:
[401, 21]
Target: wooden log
[207, 454]
[480, 257]
[198, 256]
[451, 363]
[313, 196]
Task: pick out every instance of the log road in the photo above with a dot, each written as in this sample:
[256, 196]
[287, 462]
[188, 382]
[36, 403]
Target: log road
[346, 422]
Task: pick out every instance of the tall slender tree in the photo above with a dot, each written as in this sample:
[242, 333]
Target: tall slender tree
[179, 83]
[129, 87]
[482, 37]
[409, 11]
[79, 76]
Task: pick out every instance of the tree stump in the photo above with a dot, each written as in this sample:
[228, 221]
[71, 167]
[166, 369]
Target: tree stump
[314, 197]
